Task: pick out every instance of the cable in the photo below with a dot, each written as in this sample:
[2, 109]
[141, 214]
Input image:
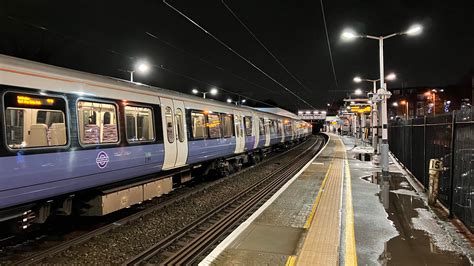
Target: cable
[122, 54]
[264, 47]
[329, 44]
[233, 51]
[207, 62]
[212, 85]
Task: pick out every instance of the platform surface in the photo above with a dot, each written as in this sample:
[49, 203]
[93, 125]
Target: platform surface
[330, 214]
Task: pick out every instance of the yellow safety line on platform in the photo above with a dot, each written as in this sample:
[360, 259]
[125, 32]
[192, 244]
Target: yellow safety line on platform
[291, 261]
[350, 257]
[318, 197]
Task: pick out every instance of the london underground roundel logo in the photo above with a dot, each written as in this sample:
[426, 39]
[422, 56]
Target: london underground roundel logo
[102, 159]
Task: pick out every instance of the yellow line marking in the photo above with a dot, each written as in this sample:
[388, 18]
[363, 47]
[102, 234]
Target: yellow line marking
[291, 261]
[318, 197]
[350, 257]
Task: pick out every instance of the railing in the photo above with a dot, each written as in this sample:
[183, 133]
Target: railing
[449, 137]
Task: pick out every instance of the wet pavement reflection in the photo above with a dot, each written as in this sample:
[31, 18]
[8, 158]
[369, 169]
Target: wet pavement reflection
[421, 240]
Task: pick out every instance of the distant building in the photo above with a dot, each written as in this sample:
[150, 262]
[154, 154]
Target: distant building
[429, 100]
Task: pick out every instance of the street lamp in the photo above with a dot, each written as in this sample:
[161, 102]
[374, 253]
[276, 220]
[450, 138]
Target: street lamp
[383, 94]
[141, 67]
[395, 104]
[374, 110]
[213, 91]
[405, 102]
[358, 92]
[229, 100]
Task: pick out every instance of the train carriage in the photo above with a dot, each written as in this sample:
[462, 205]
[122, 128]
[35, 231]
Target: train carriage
[69, 137]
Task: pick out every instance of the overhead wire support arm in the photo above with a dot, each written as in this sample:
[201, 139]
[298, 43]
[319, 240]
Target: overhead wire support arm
[236, 53]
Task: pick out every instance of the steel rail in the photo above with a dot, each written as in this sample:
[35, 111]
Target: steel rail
[202, 241]
[49, 252]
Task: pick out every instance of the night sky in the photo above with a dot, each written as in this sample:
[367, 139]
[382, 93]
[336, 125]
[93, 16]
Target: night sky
[104, 36]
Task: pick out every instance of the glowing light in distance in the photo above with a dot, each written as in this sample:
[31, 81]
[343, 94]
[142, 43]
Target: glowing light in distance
[213, 91]
[395, 104]
[244, 100]
[358, 92]
[357, 79]
[195, 91]
[391, 76]
[142, 67]
[229, 100]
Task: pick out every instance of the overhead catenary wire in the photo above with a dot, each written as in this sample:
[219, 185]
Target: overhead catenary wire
[42, 28]
[212, 85]
[236, 53]
[264, 47]
[207, 62]
[329, 45]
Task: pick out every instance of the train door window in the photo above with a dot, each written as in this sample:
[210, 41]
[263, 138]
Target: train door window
[180, 123]
[198, 121]
[169, 124]
[272, 126]
[248, 125]
[33, 121]
[214, 125]
[227, 125]
[261, 126]
[278, 126]
[139, 124]
[97, 123]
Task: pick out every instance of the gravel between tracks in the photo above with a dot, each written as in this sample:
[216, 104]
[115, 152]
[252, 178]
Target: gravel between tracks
[126, 241]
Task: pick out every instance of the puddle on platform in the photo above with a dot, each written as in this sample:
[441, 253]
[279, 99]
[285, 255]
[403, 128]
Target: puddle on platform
[421, 240]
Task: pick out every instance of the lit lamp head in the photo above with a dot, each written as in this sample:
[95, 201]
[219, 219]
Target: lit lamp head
[357, 79]
[195, 91]
[395, 104]
[229, 100]
[213, 91]
[142, 67]
[349, 35]
[414, 30]
[358, 92]
[244, 100]
[403, 102]
[391, 76]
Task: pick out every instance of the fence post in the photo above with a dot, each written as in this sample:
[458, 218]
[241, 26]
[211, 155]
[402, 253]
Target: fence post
[424, 153]
[451, 169]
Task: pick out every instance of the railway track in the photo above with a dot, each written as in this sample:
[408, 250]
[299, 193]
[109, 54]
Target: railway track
[189, 244]
[37, 257]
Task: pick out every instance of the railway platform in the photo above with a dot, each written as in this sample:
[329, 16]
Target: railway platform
[330, 214]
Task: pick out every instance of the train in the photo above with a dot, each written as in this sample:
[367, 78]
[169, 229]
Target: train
[75, 142]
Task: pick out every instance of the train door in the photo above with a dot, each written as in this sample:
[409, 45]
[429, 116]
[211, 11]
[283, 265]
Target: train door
[267, 132]
[175, 137]
[256, 129]
[239, 132]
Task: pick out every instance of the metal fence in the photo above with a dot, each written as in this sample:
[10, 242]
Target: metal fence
[449, 137]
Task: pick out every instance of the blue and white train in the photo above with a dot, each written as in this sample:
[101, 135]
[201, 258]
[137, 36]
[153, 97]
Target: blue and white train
[76, 141]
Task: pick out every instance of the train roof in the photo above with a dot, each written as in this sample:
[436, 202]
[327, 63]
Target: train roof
[36, 68]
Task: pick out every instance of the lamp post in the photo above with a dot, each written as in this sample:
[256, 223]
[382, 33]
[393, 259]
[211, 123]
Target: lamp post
[213, 91]
[375, 112]
[382, 95]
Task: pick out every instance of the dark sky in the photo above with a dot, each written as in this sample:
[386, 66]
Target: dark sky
[104, 36]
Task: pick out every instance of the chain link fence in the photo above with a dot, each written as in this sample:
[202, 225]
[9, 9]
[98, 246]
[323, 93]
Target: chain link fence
[450, 138]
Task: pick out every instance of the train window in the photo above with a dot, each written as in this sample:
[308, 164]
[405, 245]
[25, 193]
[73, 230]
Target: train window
[272, 125]
[97, 122]
[261, 126]
[278, 127]
[169, 124]
[138, 124]
[33, 121]
[198, 121]
[228, 125]
[179, 124]
[214, 125]
[248, 125]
